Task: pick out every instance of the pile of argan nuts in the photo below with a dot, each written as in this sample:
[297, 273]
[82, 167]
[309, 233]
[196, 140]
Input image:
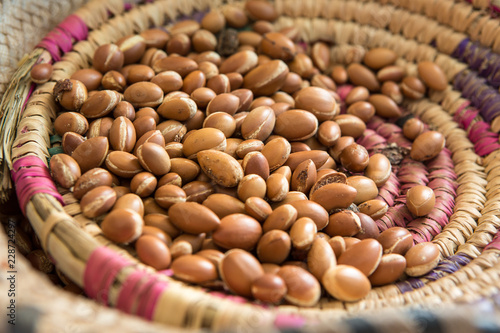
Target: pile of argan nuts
[224, 156]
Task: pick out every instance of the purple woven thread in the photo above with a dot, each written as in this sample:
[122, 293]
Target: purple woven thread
[60, 40]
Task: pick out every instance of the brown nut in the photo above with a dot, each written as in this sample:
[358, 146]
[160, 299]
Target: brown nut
[41, 73]
[379, 57]
[354, 158]
[241, 62]
[91, 153]
[369, 228]
[339, 74]
[239, 269]
[71, 94]
[261, 10]
[168, 81]
[203, 139]
[375, 208]
[363, 110]
[182, 65]
[365, 187]
[194, 269]
[90, 180]
[304, 176]
[334, 196]
[168, 195]
[133, 47]
[181, 109]
[422, 258]
[365, 256]
[420, 200]
[412, 128]
[346, 283]
[144, 94]
[266, 79]
[319, 157]
[193, 218]
[100, 104]
[412, 87]
[154, 158]
[357, 94]
[282, 218]
[122, 134]
[251, 185]
[396, 240]
[345, 223]
[122, 226]
[391, 73]
[123, 164]
[143, 184]
[277, 46]
[71, 122]
[277, 152]
[258, 124]
[98, 201]
[328, 133]
[392, 90]
[153, 252]
[302, 287]
[269, 287]
[197, 191]
[257, 208]
[223, 204]
[70, 141]
[350, 125]
[362, 76]
[390, 269]
[214, 21]
[427, 146]
[432, 75]
[225, 102]
[274, 247]
[237, 231]
[100, 127]
[130, 201]
[296, 125]
[312, 210]
[341, 143]
[65, 170]
[89, 77]
[378, 169]
[220, 167]
[186, 169]
[277, 187]
[108, 57]
[318, 101]
[255, 162]
[302, 233]
[320, 257]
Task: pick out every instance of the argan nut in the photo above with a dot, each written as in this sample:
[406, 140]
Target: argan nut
[168, 195]
[198, 190]
[304, 176]
[396, 240]
[369, 228]
[432, 75]
[70, 141]
[338, 245]
[143, 184]
[122, 134]
[274, 247]
[133, 47]
[220, 167]
[181, 109]
[318, 101]
[420, 200]
[379, 169]
[379, 57]
[91, 153]
[71, 94]
[129, 201]
[277, 152]
[192, 217]
[235, 16]
[344, 223]
[108, 57]
[194, 269]
[153, 252]
[302, 287]
[354, 158]
[346, 283]
[144, 94]
[281, 218]
[339, 74]
[255, 162]
[335, 195]
[266, 79]
[213, 21]
[90, 77]
[392, 90]
[375, 208]
[239, 269]
[391, 73]
[90, 180]
[41, 73]
[186, 169]
[360, 75]
[100, 104]
[296, 125]
[427, 146]
[302, 233]
[203, 139]
[251, 185]
[365, 187]
[384, 106]
[98, 201]
[277, 46]
[363, 110]
[357, 94]
[237, 231]
[422, 258]
[122, 226]
[168, 81]
[390, 269]
[223, 205]
[412, 87]
[154, 158]
[412, 128]
[320, 257]
[182, 65]
[114, 80]
[277, 187]
[365, 256]
[123, 164]
[319, 157]
[350, 125]
[258, 124]
[257, 208]
[65, 170]
[312, 210]
[269, 288]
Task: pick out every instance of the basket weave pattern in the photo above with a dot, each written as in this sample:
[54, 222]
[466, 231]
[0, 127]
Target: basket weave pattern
[462, 38]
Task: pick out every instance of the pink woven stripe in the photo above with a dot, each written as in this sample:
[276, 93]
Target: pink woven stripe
[126, 297]
[100, 273]
[31, 176]
[152, 298]
[495, 243]
[284, 321]
[60, 40]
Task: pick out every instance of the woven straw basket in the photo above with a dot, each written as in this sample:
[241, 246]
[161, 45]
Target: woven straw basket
[463, 38]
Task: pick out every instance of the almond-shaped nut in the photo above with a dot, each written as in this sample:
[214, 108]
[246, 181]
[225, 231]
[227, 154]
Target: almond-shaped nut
[123, 164]
[65, 170]
[181, 65]
[168, 81]
[90, 77]
[432, 75]
[346, 283]
[296, 125]
[251, 186]
[98, 201]
[91, 179]
[193, 218]
[334, 196]
[365, 187]
[122, 134]
[144, 94]
[396, 240]
[319, 157]
[302, 287]
[379, 169]
[71, 122]
[186, 169]
[239, 269]
[223, 204]
[100, 104]
[360, 75]
[224, 102]
[318, 101]
[71, 94]
[375, 208]
[302, 233]
[384, 106]
[274, 247]
[154, 158]
[350, 125]
[240, 62]
[130, 201]
[278, 46]
[70, 141]
[391, 73]
[390, 269]
[257, 208]
[266, 79]
[277, 152]
[256, 163]
[328, 178]
[122, 226]
[344, 223]
[304, 176]
[282, 218]
[237, 231]
[328, 133]
[422, 258]
[427, 146]
[91, 153]
[312, 210]
[258, 124]
[365, 256]
[168, 195]
[181, 109]
[379, 57]
[320, 257]
[277, 187]
[220, 167]
[143, 184]
[153, 251]
[203, 139]
[194, 269]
